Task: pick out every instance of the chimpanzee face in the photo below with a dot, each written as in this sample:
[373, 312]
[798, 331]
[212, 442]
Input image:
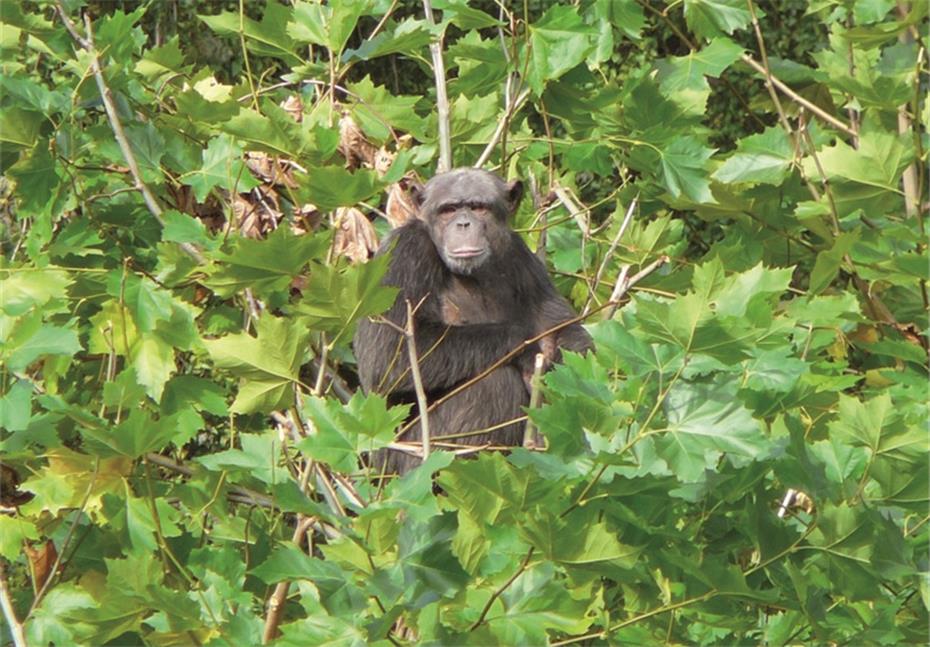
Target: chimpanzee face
[467, 212]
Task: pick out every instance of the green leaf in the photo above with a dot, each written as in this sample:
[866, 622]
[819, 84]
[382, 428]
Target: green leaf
[706, 421]
[268, 365]
[257, 458]
[36, 179]
[329, 187]
[578, 540]
[337, 299]
[407, 37]
[559, 41]
[688, 72]
[683, 165]
[327, 25]
[24, 290]
[31, 339]
[274, 131]
[466, 18]
[222, 167]
[14, 531]
[878, 162]
[148, 147]
[829, 262]
[182, 228]
[625, 15]
[764, 158]
[16, 407]
[265, 266]
[19, 128]
[739, 292]
[266, 38]
[342, 432]
[708, 18]
[377, 111]
[871, 11]
[153, 363]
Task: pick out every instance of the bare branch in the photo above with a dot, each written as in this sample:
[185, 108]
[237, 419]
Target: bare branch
[278, 599]
[16, 627]
[624, 284]
[826, 116]
[417, 380]
[502, 124]
[581, 214]
[442, 98]
[627, 219]
[529, 433]
[87, 43]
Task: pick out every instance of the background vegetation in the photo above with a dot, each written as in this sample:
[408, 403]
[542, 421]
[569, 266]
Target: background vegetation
[733, 193]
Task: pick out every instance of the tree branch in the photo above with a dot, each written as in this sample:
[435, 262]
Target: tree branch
[529, 433]
[87, 43]
[16, 627]
[442, 98]
[826, 116]
[417, 380]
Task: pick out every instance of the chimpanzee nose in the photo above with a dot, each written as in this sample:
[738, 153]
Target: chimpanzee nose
[462, 224]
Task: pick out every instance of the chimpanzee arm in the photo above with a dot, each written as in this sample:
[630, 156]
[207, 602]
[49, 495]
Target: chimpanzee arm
[448, 355]
[550, 307]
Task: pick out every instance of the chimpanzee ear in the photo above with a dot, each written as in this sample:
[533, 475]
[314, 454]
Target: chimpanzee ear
[415, 191]
[514, 194]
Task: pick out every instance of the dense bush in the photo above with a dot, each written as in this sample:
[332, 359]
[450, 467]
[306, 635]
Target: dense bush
[743, 461]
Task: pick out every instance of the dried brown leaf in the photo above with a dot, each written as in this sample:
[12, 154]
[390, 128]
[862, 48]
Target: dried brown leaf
[353, 145]
[41, 562]
[294, 106]
[400, 207]
[355, 235]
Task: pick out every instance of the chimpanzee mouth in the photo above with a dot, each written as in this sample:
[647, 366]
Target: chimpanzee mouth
[467, 252]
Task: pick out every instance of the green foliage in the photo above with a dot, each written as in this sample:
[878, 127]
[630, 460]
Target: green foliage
[741, 461]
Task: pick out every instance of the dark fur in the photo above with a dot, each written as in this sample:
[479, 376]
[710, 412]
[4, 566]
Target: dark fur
[481, 313]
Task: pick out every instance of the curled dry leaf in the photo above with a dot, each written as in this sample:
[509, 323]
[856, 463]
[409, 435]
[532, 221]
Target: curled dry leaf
[353, 145]
[400, 206]
[256, 213]
[10, 494]
[270, 170]
[294, 106]
[41, 562]
[355, 236]
[383, 160]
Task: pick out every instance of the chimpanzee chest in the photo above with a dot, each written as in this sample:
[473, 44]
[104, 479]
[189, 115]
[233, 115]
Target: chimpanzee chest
[465, 302]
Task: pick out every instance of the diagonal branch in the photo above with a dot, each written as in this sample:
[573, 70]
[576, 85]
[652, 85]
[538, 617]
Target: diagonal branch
[87, 43]
[787, 91]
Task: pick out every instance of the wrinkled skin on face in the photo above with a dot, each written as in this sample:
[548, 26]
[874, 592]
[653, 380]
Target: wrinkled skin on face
[467, 212]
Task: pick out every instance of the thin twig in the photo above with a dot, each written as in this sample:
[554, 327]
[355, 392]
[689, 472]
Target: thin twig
[503, 587]
[509, 111]
[278, 599]
[624, 284]
[580, 214]
[117, 126]
[769, 83]
[529, 433]
[241, 494]
[417, 380]
[16, 627]
[627, 219]
[787, 91]
[442, 98]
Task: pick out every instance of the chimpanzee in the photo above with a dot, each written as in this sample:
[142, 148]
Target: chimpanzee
[481, 294]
